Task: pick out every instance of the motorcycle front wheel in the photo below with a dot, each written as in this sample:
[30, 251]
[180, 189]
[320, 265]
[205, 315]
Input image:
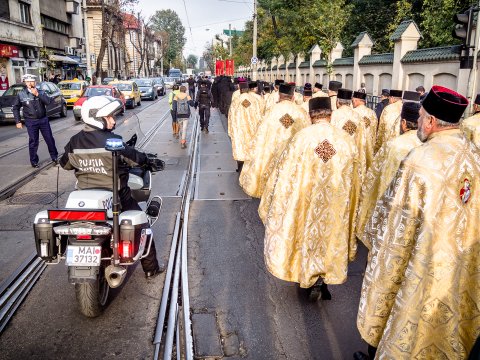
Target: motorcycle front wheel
[92, 296]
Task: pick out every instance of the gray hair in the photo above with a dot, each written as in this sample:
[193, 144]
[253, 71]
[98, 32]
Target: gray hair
[344, 101]
[442, 123]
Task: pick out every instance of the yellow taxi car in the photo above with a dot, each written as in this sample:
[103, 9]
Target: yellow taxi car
[130, 90]
[72, 90]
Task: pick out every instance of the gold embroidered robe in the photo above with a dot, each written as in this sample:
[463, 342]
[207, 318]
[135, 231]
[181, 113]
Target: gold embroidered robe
[269, 101]
[298, 98]
[380, 174]
[243, 120]
[278, 126]
[319, 94]
[351, 122]
[420, 297]
[471, 128]
[389, 124]
[369, 118]
[333, 102]
[306, 207]
[305, 107]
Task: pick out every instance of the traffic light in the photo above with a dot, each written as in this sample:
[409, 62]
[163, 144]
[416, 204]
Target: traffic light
[463, 27]
[463, 31]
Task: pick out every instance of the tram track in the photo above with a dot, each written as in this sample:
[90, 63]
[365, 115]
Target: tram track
[9, 190]
[16, 286]
[61, 130]
[174, 329]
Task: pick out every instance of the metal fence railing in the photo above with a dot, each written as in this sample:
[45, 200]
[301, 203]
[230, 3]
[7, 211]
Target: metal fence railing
[372, 101]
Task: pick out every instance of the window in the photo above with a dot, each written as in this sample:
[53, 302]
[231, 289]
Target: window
[25, 13]
[4, 10]
[53, 25]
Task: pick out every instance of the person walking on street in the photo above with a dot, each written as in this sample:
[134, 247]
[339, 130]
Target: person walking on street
[204, 102]
[191, 86]
[33, 101]
[181, 110]
[175, 126]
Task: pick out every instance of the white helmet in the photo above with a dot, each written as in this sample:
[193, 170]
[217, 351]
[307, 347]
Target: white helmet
[29, 77]
[98, 107]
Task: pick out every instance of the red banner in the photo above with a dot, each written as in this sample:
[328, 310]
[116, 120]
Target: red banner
[219, 68]
[229, 67]
[8, 50]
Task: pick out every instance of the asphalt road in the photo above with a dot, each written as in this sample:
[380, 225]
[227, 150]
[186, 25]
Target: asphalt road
[238, 309]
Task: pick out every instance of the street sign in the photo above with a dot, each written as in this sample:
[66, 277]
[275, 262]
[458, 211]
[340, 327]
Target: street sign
[254, 60]
[234, 32]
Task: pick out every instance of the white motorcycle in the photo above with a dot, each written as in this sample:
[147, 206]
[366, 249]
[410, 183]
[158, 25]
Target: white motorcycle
[97, 241]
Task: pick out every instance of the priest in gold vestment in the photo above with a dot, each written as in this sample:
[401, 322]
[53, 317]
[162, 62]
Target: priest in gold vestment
[307, 95]
[244, 117]
[385, 166]
[369, 119]
[471, 125]
[346, 119]
[307, 204]
[317, 90]
[420, 297]
[278, 126]
[389, 122]
[333, 87]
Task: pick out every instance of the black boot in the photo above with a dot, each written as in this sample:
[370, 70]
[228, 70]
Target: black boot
[362, 356]
[150, 263]
[239, 166]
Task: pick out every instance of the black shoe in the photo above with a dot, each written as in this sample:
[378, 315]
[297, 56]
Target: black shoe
[201, 129]
[360, 356]
[153, 273]
[55, 162]
[35, 165]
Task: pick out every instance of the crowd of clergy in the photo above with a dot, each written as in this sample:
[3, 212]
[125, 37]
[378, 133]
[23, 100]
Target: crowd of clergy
[405, 181]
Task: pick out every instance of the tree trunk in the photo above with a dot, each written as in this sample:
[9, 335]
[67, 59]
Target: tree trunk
[103, 43]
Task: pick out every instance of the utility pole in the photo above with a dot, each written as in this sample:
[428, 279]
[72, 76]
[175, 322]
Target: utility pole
[230, 38]
[254, 72]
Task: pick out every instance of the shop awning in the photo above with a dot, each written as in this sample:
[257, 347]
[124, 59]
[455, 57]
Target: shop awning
[63, 59]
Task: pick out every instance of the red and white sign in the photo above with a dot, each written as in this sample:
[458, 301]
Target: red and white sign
[219, 67]
[8, 50]
[229, 67]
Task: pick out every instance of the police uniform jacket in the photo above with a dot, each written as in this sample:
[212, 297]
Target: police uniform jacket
[33, 106]
[85, 153]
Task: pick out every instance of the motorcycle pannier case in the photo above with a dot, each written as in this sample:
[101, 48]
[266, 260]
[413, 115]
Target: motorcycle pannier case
[45, 238]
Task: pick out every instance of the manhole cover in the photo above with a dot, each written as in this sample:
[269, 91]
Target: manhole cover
[38, 198]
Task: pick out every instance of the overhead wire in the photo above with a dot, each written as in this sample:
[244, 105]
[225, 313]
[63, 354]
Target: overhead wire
[188, 22]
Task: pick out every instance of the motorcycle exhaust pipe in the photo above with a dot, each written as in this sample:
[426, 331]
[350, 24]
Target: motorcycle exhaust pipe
[115, 275]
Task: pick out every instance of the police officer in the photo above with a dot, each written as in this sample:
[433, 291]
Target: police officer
[89, 146]
[33, 102]
[204, 102]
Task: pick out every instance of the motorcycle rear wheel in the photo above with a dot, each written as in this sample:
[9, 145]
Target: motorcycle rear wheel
[92, 296]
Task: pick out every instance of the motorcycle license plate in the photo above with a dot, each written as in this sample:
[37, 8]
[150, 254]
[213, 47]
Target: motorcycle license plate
[83, 255]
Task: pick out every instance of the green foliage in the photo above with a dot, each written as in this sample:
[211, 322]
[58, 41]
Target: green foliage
[167, 21]
[294, 26]
[192, 61]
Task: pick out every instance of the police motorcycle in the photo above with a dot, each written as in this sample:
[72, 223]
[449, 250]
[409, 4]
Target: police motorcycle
[97, 241]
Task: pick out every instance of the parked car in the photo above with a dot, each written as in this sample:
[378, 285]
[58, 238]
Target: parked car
[57, 107]
[97, 90]
[160, 86]
[130, 90]
[169, 82]
[147, 88]
[106, 80]
[72, 90]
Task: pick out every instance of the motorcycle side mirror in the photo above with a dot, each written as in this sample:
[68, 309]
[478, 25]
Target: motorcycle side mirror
[133, 141]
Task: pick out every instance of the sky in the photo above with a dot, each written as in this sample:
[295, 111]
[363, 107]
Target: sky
[203, 18]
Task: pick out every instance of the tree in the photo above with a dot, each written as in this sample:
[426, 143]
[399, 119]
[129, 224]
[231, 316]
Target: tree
[112, 26]
[168, 22]
[192, 61]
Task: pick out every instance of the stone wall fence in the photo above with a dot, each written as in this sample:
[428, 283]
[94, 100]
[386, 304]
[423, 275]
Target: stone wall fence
[405, 68]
